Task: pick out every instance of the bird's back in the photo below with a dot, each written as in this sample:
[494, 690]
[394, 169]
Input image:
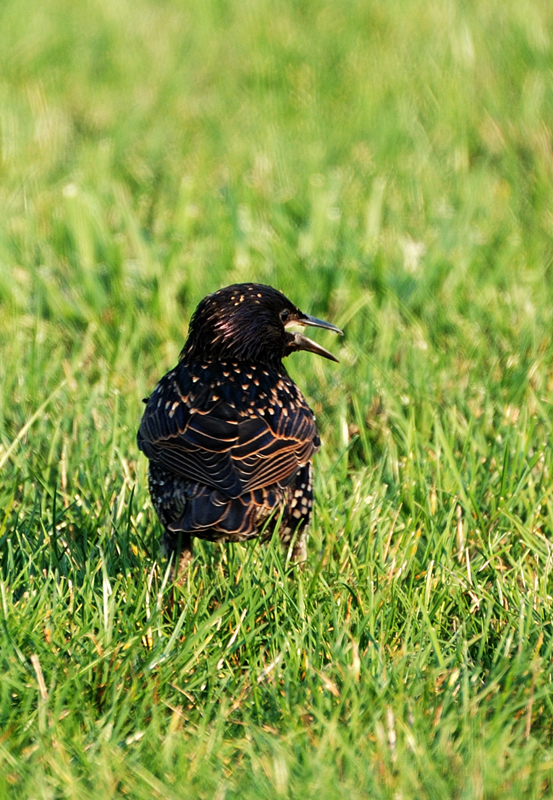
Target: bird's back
[229, 445]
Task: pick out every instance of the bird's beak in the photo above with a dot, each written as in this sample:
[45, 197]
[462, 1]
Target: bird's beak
[318, 323]
[301, 342]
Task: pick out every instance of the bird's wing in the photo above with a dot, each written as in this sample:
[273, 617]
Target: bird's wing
[220, 448]
[271, 448]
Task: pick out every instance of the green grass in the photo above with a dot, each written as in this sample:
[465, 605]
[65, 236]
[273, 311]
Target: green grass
[390, 167]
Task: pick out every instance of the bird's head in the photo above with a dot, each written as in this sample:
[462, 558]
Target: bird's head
[250, 322]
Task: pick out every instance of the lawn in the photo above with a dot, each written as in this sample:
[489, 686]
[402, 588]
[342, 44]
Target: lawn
[389, 166]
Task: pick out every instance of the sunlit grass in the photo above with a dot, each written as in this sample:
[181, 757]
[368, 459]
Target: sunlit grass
[390, 167]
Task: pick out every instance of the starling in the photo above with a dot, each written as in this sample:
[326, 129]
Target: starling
[228, 434]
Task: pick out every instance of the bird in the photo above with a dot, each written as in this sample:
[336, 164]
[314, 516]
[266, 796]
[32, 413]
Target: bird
[228, 434]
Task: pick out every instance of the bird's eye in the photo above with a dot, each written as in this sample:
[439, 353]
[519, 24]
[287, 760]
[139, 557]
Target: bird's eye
[284, 315]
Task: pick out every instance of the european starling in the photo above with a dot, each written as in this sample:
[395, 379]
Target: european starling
[228, 434]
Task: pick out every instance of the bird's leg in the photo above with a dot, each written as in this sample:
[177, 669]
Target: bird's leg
[181, 550]
[184, 555]
[299, 551]
[299, 548]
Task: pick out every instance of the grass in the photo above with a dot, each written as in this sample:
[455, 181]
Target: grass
[390, 167]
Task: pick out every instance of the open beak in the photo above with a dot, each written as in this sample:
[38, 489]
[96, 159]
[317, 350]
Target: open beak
[301, 342]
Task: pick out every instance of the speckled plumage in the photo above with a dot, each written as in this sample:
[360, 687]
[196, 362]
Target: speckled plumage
[228, 434]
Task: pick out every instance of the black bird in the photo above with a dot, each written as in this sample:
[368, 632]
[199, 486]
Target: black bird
[228, 434]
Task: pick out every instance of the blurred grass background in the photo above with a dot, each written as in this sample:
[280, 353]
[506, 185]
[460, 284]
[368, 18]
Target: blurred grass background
[389, 166]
